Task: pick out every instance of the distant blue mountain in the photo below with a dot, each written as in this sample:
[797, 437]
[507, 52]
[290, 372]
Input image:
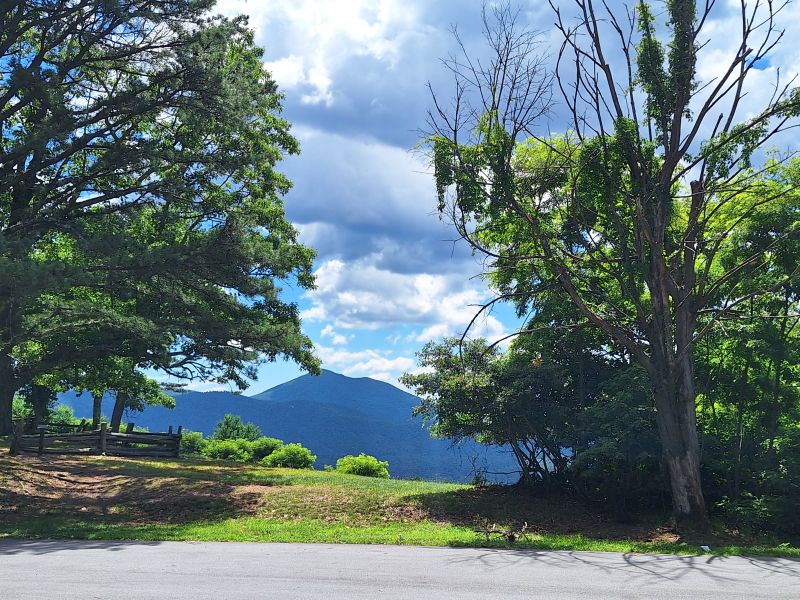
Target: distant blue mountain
[333, 415]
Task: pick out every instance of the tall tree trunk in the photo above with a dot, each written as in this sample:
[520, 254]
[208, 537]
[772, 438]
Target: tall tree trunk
[40, 399]
[677, 426]
[97, 406]
[8, 387]
[743, 385]
[120, 403]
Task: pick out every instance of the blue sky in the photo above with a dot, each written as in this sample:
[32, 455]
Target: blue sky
[390, 276]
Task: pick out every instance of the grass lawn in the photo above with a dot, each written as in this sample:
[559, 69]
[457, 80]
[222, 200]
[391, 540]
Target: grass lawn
[125, 499]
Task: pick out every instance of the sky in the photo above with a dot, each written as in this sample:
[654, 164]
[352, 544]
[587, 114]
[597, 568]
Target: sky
[390, 275]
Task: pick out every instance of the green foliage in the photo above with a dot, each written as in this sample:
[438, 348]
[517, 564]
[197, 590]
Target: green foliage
[234, 448]
[650, 70]
[63, 415]
[263, 447]
[239, 450]
[148, 240]
[363, 464]
[20, 409]
[616, 459]
[292, 456]
[231, 427]
[192, 442]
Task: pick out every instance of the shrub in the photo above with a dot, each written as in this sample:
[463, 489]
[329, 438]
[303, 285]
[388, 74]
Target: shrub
[293, 456]
[363, 464]
[238, 450]
[63, 415]
[264, 446]
[192, 442]
[231, 427]
[20, 409]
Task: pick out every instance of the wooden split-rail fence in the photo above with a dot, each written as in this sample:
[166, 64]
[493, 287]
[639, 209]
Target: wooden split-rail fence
[77, 439]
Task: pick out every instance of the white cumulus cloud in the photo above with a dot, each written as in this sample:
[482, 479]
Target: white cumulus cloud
[361, 296]
[312, 40]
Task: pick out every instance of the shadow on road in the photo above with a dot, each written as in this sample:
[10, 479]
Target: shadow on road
[13, 547]
[645, 567]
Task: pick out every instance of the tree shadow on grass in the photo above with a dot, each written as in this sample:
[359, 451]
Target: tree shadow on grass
[39, 493]
[513, 507]
[190, 469]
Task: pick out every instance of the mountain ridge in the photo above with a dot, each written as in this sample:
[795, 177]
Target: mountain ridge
[333, 415]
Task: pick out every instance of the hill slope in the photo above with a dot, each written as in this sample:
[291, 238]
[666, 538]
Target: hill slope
[333, 415]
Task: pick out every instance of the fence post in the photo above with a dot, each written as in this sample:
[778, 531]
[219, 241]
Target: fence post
[16, 437]
[178, 442]
[169, 431]
[103, 437]
[42, 429]
[129, 428]
[82, 426]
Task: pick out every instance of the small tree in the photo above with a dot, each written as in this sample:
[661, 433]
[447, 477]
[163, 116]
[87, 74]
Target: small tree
[231, 427]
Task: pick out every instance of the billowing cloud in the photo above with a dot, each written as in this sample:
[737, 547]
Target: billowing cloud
[337, 339]
[355, 198]
[354, 74]
[361, 296]
[377, 364]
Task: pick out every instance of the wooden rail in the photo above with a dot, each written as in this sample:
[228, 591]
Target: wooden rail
[48, 440]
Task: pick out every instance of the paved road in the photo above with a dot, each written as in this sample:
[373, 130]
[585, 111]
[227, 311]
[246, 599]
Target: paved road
[55, 570]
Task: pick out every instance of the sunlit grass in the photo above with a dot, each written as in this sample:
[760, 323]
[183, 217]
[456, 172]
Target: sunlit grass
[249, 529]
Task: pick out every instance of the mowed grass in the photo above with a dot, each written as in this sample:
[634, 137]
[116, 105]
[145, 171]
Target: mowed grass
[122, 499]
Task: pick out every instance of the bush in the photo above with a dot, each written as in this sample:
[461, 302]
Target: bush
[231, 427]
[264, 446]
[363, 464]
[293, 456]
[20, 409]
[238, 450]
[192, 442]
[759, 514]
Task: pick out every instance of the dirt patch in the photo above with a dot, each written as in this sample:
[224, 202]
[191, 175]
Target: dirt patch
[65, 486]
[407, 513]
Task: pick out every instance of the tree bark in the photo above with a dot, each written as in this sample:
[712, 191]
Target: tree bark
[677, 426]
[8, 387]
[40, 399]
[120, 403]
[97, 406]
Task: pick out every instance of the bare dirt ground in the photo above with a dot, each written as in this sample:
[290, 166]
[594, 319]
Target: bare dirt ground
[32, 486]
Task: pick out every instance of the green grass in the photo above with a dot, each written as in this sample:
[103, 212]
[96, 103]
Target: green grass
[214, 501]
[249, 529]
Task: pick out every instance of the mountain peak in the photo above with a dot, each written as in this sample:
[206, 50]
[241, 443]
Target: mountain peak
[326, 378]
[333, 415]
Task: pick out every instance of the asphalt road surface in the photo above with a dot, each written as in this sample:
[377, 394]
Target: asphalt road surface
[54, 570]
